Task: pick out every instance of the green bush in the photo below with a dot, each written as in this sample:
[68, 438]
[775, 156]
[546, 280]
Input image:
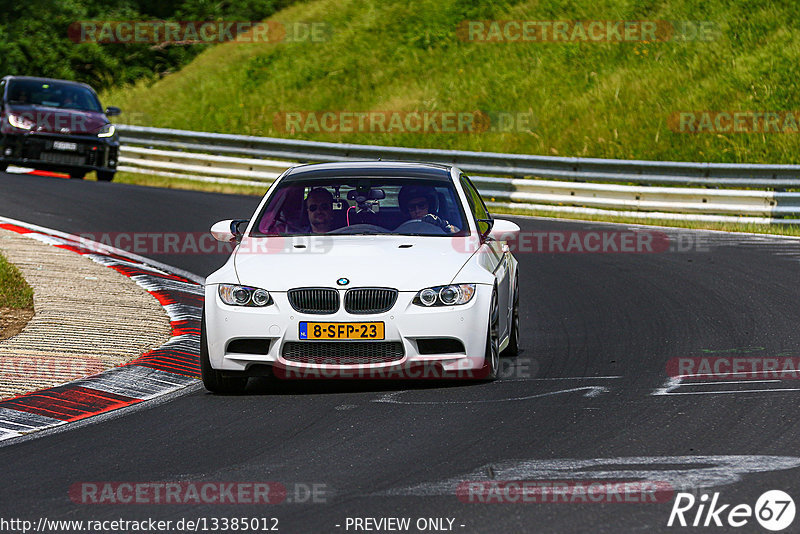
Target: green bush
[34, 37]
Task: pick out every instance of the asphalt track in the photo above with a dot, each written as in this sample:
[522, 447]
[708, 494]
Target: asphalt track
[591, 384]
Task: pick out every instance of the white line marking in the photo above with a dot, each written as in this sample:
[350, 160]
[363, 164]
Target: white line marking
[27, 419]
[137, 382]
[591, 391]
[729, 382]
[776, 390]
[4, 435]
[673, 383]
[562, 378]
[724, 376]
[689, 472]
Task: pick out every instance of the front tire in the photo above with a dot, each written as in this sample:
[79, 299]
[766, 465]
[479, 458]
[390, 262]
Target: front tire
[77, 175]
[491, 359]
[105, 176]
[213, 379]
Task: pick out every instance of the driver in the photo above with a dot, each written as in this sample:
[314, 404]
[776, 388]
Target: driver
[319, 207]
[21, 96]
[418, 202]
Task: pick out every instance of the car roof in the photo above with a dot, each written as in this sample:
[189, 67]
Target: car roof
[344, 169]
[39, 79]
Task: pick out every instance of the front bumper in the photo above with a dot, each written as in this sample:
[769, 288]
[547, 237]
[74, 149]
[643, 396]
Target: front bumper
[276, 325]
[36, 150]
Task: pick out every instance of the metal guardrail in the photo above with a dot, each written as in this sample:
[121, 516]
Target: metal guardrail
[242, 160]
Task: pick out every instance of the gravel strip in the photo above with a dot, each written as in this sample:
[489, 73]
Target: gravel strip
[88, 318]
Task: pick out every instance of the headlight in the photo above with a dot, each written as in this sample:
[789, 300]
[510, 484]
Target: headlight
[445, 295]
[19, 121]
[106, 131]
[260, 297]
[234, 295]
[428, 297]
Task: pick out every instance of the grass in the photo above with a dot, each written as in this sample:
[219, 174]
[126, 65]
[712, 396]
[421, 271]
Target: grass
[190, 185]
[14, 290]
[610, 100]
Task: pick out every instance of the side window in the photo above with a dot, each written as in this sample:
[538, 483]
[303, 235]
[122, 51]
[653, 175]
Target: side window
[476, 204]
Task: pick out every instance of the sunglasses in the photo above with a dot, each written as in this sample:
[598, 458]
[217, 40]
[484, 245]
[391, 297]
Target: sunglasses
[326, 206]
[414, 206]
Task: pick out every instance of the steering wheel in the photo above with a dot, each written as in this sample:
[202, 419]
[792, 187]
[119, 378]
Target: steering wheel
[419, 226]
[290, 226]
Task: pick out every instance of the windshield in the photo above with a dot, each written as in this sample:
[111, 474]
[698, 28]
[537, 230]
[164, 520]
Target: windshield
[52, 94]
[369, 205]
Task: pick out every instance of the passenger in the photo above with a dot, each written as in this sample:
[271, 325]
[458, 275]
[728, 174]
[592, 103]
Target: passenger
[319, 207]
[419, 202]
[68, 100]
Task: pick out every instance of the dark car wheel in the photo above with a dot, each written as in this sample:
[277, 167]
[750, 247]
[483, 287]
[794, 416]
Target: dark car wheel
[491, 361]
[213, 379]
[3, 167]
[77, 175]
[513, 338]
[105, 176]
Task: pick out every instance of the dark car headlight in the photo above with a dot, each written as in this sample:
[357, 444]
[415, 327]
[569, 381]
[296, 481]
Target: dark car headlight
[236, 295]
[20, 121]
[452, 295]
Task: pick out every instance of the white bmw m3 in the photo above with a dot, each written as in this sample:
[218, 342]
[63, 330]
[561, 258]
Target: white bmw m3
[362, 270]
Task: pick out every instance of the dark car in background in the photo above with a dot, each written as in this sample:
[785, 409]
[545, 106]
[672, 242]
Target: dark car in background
[56, 125]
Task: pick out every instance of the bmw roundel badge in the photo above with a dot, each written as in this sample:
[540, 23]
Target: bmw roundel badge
[343, 281]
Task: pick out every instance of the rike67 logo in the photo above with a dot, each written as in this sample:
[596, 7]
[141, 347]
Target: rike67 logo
[774, 510]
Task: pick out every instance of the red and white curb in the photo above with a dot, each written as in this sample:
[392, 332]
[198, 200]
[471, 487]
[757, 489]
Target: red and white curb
[169, 368]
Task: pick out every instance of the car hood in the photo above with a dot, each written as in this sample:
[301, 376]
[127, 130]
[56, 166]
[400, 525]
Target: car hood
[57, 120]
[404, 263]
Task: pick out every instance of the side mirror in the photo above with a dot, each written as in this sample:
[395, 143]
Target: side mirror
[112, 110]
[503, 230]
[489, 225]
[229, 230]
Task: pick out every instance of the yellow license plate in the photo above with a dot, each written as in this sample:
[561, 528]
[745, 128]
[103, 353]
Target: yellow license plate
[366, 331]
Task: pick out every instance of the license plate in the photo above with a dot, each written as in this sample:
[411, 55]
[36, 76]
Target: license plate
[367, 331]
[63, 145]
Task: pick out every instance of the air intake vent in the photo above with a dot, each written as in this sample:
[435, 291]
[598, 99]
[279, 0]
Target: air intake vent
[343, 352]
[249, 346]
[440, 345]
[314, 300]
[369, 300]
